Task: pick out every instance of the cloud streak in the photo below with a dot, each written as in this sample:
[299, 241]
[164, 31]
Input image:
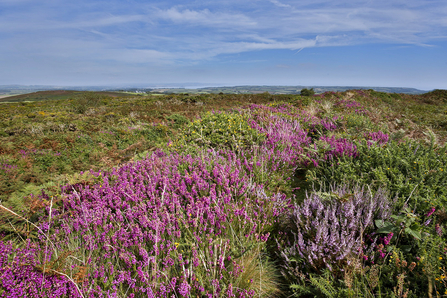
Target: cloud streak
[206, 18]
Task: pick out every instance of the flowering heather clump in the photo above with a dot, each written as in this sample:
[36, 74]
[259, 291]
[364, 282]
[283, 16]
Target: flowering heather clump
[284, 144]
[286, 137]
[349, 104]
[361, 93]
[176, 225]
[338, 147]
[20, 278]
[378, 137]
[329, 125]
[318, 127]
[329, 227]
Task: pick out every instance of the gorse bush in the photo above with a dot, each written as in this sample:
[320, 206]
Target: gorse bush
[415, 172]
[177, 120]
[217, 130]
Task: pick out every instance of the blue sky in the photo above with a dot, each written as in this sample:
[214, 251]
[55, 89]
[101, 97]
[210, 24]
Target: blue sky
[253, 42]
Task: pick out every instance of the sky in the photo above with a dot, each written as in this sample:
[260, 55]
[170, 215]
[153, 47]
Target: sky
[388, 43]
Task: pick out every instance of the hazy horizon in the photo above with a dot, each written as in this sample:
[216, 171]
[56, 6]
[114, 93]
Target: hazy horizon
[224, 43]
[194, 86]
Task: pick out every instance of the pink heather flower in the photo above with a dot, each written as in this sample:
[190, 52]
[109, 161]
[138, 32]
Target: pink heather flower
[230, 291]
[432, 210]
[184, 289]
[387, 238]
[376, 137]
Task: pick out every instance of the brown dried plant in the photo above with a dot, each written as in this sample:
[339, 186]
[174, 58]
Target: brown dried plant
[79, 277]
[399, 289]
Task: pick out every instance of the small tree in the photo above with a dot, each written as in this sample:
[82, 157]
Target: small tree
[307, 92]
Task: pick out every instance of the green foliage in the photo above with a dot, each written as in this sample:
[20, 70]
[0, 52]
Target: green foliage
[324, 285]
[406, 223]
[215, 130]
[177, 120]
[307, 92]
[436, 95]
[305, 101]
[85, 101]
[389, 98]
[413, 171]
[357, 124]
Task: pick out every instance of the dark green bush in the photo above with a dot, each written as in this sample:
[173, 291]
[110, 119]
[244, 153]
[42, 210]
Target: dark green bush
[307, 92]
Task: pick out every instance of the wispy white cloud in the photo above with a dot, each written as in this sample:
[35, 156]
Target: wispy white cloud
[205, 18]
[30, 22]
[279, 4]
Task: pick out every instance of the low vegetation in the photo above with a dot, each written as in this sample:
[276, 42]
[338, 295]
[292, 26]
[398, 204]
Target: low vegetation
[339, 194]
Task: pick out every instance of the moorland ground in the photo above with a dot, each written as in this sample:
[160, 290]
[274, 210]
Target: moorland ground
[340, 194]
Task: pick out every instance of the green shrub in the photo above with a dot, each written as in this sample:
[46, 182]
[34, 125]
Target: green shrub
[177, 120]
[307, 92]
[413, 171]
[213, 130]
[358, 124]
[383, 96]
[85, 101]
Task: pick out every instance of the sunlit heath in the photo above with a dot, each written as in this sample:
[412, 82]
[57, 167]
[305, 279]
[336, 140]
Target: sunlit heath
[223, 149]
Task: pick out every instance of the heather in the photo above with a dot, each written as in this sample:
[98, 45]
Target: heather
[184, 223]
[327, 230]
[330, 195]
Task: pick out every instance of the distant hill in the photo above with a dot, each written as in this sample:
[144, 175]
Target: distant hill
[272, 89]
[8, 90]
[57, 94]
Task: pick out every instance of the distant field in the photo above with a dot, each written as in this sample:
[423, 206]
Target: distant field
[55, 95]
[276, 90]
[3, 96]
